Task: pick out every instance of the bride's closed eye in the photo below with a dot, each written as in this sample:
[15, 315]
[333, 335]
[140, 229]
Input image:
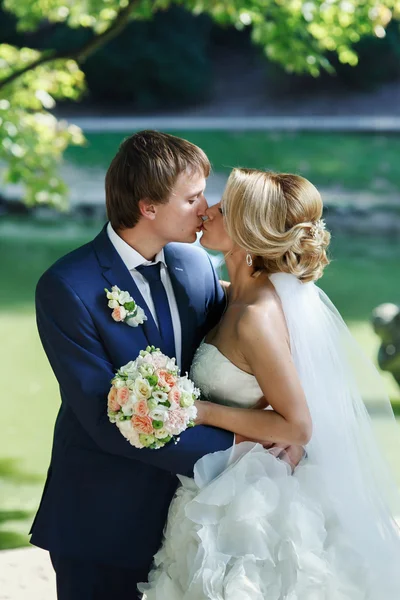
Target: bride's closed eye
[221, 210]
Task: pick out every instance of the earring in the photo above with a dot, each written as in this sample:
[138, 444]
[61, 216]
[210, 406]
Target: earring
[249, 260]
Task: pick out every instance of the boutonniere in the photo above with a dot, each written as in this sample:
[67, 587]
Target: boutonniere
[124, 307]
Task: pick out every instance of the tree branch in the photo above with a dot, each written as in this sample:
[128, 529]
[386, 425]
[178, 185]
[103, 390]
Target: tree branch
[81, 54]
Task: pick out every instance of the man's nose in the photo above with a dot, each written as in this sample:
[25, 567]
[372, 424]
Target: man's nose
[203, 207]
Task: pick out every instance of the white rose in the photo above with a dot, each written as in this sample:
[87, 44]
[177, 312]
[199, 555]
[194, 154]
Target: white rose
[160, 433]
[127, 367]
[113, 303]
[131, 370]
[146, 360]
[192, 412]
[196, 392]
[140, 315]
[132, 322]
[125, 297]
[185, 384]
[114, 294]
[142, 388]
[159, 360]
[186, 400]
[129, 433]
[171, 366]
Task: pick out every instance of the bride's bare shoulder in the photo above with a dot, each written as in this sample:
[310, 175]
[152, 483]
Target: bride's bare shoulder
[264, 317]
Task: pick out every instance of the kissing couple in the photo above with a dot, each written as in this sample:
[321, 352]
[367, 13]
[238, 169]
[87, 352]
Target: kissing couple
[280, 490]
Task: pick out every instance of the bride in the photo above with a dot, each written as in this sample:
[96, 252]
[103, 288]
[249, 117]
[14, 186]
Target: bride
[246, 527]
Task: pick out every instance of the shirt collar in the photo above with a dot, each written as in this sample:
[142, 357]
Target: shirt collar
[130, 257]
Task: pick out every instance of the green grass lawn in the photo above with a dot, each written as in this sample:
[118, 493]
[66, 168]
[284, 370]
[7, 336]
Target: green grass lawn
[361, 276]
[349, 160]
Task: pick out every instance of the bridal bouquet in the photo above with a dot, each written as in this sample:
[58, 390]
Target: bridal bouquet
[150, 403]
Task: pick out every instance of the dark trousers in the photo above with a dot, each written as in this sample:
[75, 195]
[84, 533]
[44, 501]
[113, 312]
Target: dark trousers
[84, 580]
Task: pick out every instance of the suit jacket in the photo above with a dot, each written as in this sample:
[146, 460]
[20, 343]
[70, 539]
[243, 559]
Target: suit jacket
[105, 500]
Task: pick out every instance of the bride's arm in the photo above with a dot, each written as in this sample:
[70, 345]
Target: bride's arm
[266, 350]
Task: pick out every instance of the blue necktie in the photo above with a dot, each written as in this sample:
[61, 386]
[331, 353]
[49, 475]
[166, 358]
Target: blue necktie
[161, 304]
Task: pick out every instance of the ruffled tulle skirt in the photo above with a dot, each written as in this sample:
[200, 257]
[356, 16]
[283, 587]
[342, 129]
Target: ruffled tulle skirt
[254, 531]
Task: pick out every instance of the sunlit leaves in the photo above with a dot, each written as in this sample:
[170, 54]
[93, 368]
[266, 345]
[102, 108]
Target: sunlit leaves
[31, 145]
[32, 141]
[298, 34]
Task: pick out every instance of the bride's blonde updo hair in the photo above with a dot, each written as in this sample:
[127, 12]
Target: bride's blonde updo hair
[276, 217]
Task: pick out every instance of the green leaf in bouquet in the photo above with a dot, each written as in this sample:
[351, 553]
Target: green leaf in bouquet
[166, 403]
[166, 439]
[131, 308]
[152, 379]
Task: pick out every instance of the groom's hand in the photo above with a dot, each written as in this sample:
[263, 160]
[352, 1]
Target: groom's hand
[240, 438]
[290, 454]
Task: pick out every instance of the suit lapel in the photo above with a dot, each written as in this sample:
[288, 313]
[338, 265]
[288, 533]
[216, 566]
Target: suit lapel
[115, 273]
[187, 312]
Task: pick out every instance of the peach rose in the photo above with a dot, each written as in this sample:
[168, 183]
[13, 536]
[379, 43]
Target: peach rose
[112, 400]
[119, 313]
[170, 379]
[174, 395]
[123, 395]
[141, 409]
[165, 379]
[142, 424]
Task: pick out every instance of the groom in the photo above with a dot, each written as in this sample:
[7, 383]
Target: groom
[105, 502]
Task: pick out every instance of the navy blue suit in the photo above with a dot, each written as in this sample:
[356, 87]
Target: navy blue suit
[105, 500]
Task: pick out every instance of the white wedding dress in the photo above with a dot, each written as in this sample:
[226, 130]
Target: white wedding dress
[245, 528]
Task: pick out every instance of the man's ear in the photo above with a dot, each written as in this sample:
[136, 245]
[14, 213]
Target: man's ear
[147, 209]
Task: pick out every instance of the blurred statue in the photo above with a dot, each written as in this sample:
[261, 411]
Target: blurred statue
[386, 323]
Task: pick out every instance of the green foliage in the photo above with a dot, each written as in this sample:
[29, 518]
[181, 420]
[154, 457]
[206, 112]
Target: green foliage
[297, 34]
[379, 60]
[32, 141]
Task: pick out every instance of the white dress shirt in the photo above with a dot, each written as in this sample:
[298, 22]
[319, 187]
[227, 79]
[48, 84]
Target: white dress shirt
[133, 259]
